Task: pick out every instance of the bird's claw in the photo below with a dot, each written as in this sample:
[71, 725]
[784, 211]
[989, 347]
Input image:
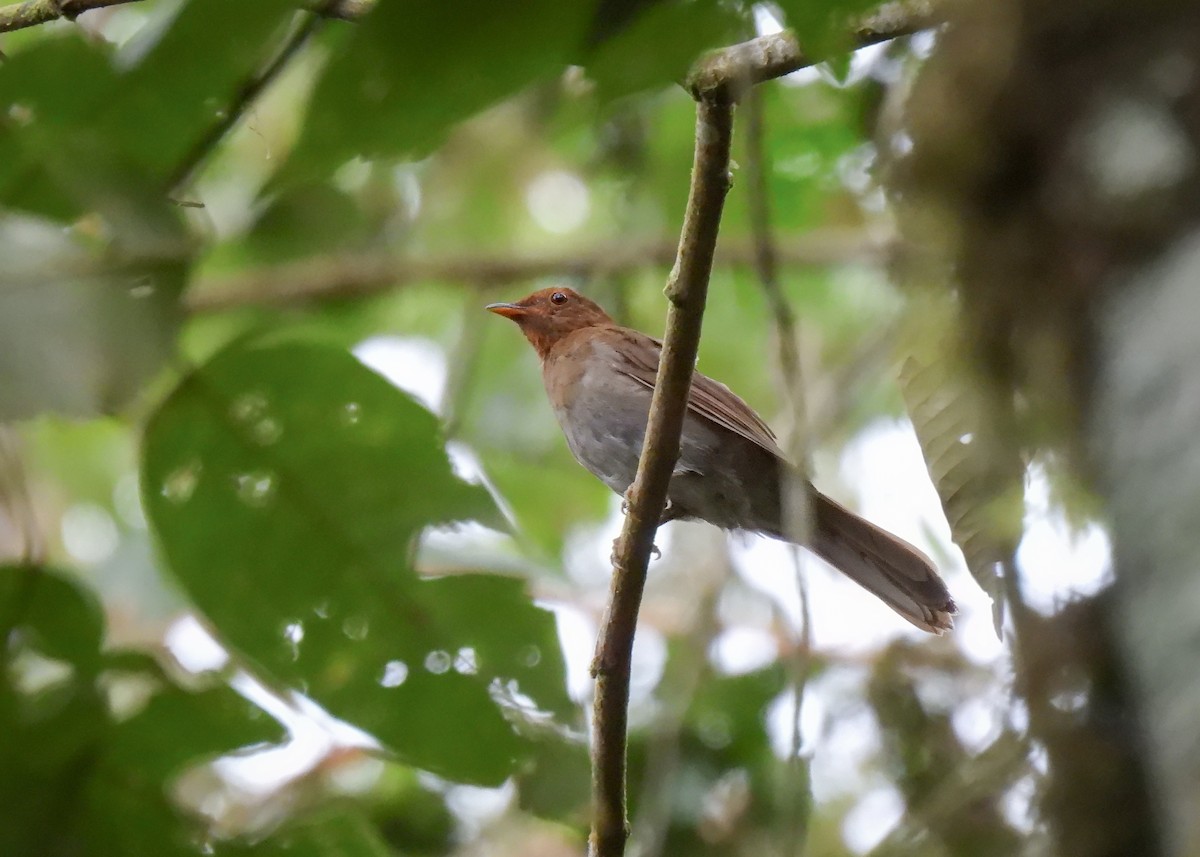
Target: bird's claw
[669, 512]
[655, 553]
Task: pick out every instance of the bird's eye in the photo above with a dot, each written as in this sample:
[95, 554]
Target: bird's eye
[558, 298]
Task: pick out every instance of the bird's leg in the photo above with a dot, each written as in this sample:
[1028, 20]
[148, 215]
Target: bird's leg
[669, 512]
[655, 553]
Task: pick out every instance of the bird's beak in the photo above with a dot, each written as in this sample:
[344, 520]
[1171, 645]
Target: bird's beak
[513, 311]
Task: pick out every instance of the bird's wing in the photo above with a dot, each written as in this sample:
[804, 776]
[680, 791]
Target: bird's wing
[709, 399]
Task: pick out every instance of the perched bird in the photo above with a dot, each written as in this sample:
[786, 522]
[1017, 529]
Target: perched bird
[600, 377]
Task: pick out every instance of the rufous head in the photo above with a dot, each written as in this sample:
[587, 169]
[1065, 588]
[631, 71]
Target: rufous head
[546, 316]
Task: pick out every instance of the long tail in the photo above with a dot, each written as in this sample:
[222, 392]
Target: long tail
[899, 574]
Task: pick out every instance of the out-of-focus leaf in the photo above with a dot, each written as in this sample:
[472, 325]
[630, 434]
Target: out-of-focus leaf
[165, 102]
[977, 471]
[305, 221]
[548, 497]
[127, 808]
[79, 332]
[52, 614]
[411, 70]
[659, 47]
[728, 715]
[85, 136]
[823, 26]
[286, 485]
[557, 782]
[48, 91]
[339, 833]
[412, 815]
[73, 780]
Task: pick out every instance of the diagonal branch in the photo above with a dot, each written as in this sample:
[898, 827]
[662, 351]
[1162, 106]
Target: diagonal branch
[246, 95]
[18, 16]
[716, 83]
[733, 70]
[687, 289]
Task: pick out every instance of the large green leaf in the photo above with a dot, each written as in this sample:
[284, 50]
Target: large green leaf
[79, 330]
[165, 103]
[410, 70]
[88, 136]
[74, 780]
[287, 485]
[661, 44]
[126, 807]
[52, 716]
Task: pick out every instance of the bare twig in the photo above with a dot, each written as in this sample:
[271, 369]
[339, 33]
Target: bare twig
[338, 278]
[687, 289]
[34, 12]
[16, 495]
[246, 95]
[766, 267]
[18, 16]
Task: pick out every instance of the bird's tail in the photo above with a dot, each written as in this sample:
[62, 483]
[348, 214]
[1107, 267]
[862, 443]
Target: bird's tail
[899, 574]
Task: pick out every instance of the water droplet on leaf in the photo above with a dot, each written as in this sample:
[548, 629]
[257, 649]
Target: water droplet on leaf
[465, 661]
[256, 488]
[180, 484]
[266, 431]
[530, 656]
[438, 662]
[293, 632]
[249, 407]
[395, 673]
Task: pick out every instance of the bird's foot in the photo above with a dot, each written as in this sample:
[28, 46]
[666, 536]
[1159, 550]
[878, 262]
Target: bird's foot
[655, 553]
[669, 513]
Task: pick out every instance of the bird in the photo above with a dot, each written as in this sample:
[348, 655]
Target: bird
[731, 472]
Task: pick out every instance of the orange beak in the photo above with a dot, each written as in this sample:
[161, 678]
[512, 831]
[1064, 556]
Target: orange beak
[513, 311]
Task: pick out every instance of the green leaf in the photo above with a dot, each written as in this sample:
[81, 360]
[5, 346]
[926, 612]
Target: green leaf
[409, 71]
[71, 779]
[339, 833]
[89, 137]
[164, 103]
[661, 45]
[127, 807]
[286, 485]
[823, 27]
[79, 331]
[305, 221]
[54, 615]
[974, 464]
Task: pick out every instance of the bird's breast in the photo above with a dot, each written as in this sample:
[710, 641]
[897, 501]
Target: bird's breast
[602, 412]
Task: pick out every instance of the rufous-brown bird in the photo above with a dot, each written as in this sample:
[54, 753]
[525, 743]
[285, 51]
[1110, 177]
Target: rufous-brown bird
[600, 377]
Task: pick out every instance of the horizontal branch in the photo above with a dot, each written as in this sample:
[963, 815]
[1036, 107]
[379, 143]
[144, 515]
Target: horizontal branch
[18, 16]
[340, 277]
[730, 72]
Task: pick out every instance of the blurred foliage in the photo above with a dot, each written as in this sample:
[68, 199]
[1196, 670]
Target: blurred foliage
[309, 553]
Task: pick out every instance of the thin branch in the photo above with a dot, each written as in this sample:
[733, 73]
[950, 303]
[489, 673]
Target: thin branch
[34, 12]
[31, 13]
[246, 95]
[338, 278]
[687, 290]
[17, 496]
[463, 365]
[730, 72]
[766, 267]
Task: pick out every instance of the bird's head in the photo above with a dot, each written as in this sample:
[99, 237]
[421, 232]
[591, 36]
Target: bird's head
[546, 316]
